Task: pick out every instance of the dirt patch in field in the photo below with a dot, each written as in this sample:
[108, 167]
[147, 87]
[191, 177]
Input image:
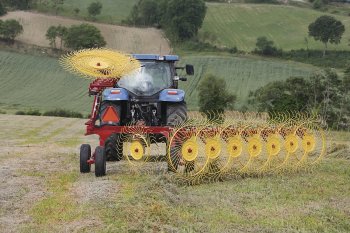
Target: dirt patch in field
[127, 39]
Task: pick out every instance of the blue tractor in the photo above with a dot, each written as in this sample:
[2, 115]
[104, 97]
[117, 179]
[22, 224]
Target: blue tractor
[148, 98]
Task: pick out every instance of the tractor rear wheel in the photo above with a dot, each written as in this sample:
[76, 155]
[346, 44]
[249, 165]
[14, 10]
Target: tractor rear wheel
[85, 154]
[100, 161]
[114, 148]
[176, 113]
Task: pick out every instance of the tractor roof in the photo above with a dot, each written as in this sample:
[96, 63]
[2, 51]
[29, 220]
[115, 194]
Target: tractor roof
[156, 57]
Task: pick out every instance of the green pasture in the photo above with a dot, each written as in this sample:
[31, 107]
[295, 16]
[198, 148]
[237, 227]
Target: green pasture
[240, 24]
[38, 82]
[242, 75]
[113, 11]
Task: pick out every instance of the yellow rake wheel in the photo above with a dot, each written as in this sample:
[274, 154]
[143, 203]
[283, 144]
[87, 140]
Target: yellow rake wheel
[273, 145]
[99, 63]
[234, 154]
[273, 150]
[213, 148]
[235, 146]
[293, 147]
[254, 146]
[137, 150]
[214, 151]
[189, 149]
[291, 143]
[186, 153]
[309, 143]
[256, 157]
[313, 143]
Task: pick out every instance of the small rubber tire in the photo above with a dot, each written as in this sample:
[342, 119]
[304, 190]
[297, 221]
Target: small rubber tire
[100, 161]
[114, 148]
[85, 155]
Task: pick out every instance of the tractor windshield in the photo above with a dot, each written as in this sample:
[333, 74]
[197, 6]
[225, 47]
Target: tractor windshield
[152, 77]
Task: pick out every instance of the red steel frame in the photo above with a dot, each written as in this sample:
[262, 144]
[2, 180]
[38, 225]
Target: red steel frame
[96, 88]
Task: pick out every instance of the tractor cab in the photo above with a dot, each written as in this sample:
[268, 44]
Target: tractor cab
[155, 74]
[150, 94]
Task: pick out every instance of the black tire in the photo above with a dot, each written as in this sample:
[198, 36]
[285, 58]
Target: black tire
[114, 148]
[104, 105]
[176, 113]
[100, 161]
[85, 154]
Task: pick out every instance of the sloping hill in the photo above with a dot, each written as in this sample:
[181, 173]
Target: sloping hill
[242, 75]
[39, 82]
[240, 24]
[127, 39]
[113, 11]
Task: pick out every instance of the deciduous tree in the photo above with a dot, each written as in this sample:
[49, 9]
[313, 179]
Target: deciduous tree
[95, 9]
[214, 98]
[84, 36]
[327, 30]
[10, 29]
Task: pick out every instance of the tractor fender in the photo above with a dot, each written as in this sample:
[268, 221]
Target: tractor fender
[115, 94]
[172, 95]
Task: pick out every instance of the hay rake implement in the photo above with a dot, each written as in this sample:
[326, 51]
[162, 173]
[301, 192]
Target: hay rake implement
[139, 122]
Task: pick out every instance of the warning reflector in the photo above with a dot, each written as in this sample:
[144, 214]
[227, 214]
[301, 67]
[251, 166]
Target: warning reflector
[110, 115]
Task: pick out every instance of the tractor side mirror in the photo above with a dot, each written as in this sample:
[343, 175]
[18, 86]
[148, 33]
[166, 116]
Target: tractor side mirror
[189, 70]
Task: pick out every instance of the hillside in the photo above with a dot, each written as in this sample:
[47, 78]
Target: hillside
[113, 11]
[41, 190]
[41, 83]
[127, 39]
[241, 74]
[240, 24]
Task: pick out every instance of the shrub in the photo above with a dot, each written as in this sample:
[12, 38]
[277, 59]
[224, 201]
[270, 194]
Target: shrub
[211, 103]
[20, 113]
[63, 113]
[33, 112]
[266, 47]
[83, 36]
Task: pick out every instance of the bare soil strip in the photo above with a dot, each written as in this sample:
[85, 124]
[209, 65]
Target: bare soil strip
[126, 39]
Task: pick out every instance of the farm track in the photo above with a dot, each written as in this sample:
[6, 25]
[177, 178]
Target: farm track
[126, 39]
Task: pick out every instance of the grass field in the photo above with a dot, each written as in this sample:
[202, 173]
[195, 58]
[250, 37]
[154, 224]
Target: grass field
[242, 75]
[41, 190]
[113, 11]
[40, 83]
[240, 24]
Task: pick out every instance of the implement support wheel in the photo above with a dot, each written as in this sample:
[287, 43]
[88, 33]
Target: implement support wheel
[100, 161]
[85, 154]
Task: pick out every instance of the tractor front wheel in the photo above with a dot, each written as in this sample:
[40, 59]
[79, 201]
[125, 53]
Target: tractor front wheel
[100, 161]
[85, 154]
